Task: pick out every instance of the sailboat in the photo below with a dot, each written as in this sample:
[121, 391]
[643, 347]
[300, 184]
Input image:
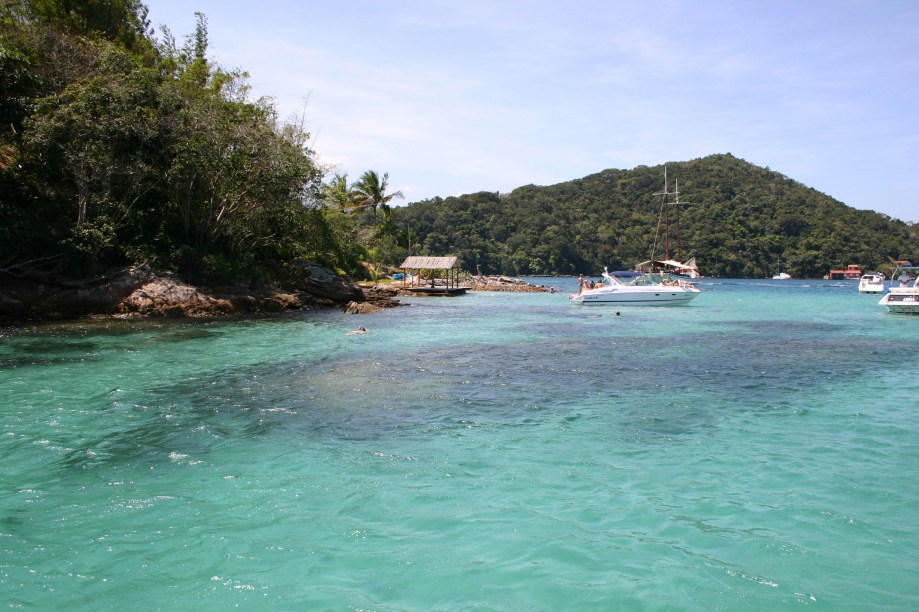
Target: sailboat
[779, 275]
[675, 268]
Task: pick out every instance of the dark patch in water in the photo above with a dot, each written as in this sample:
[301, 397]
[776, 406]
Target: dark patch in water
[187, 334]
[638, 388]
[45, 346]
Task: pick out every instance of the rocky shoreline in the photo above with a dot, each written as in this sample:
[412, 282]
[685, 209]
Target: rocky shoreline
[140, 292]
[507, 283]
[476, 283]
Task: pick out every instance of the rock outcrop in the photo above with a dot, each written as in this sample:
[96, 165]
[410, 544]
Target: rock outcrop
[506, 283]
[140, 292]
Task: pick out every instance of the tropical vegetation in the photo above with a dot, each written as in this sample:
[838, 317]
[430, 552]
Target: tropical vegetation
[741, 220]
[120, 145]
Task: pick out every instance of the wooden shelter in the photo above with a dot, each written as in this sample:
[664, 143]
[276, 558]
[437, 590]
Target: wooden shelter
[413, 279]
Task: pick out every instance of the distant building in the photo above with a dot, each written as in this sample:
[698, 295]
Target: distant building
[852, 271]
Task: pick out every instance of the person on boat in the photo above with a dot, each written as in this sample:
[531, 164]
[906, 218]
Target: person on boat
[580, 283]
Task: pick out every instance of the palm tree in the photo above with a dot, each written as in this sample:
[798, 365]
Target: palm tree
[371, 190]
[338, 193]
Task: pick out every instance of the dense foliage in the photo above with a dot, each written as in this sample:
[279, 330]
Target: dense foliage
[118, 148]
[741, 221]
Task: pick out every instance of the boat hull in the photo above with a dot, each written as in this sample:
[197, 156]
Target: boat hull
[636, 296]
[871, 283]
[901, 303]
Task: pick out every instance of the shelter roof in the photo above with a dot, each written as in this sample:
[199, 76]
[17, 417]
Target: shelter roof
[416, 262]
[664, 262]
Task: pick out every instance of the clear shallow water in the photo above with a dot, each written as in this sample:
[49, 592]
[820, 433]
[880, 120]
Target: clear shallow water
[757, 449]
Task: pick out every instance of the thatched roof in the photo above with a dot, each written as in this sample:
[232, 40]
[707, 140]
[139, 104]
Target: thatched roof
[416, 262]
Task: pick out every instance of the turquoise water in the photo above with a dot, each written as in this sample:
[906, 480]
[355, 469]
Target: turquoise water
[755, 450]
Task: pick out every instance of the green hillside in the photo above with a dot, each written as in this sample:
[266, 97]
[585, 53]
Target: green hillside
[740, 221]
[120, 147]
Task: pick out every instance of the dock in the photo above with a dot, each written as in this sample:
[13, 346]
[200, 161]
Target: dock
[415, 267]
[444, 291]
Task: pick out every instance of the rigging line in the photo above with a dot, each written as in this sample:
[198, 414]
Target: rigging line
[660, 217]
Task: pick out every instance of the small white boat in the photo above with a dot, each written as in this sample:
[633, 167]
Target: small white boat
[871, 283]
[641, 290]
[903, 298]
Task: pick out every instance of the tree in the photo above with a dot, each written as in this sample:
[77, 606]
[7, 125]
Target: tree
[123, 22]
[114, 152]
[338, 193]
[371, 191]
[97, 137]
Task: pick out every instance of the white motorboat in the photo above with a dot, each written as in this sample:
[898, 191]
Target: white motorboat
[655, 282]
[640, 290]
[904, 297]
[871, 283]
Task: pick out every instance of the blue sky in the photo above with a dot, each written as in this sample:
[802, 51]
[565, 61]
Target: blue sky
[459, 96]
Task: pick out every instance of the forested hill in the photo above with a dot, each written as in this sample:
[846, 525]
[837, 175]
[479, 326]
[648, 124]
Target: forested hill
[741, 220]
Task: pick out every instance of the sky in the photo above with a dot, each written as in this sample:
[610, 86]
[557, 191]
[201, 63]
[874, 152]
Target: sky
[460, 96]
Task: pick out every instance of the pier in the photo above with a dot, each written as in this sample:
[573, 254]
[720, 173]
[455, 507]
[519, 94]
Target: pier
[415, 267]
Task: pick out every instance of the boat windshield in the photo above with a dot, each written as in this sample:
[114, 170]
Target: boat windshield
[632, 279]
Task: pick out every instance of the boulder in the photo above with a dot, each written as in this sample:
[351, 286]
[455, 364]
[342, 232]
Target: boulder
[360, 308]
[321, 282]
[170, 297]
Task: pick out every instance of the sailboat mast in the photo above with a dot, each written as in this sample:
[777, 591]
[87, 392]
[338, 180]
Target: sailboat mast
[676, 204]
[666, 219]
[666, 209]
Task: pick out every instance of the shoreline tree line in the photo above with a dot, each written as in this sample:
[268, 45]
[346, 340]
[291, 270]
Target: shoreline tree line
[739, 220]
[121, 146]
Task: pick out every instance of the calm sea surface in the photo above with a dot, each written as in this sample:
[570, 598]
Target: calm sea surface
[755, 450]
